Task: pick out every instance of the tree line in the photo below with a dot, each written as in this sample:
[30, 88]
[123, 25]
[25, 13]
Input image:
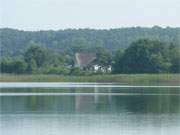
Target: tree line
[148, 56]
[14, 42]
[142, 56]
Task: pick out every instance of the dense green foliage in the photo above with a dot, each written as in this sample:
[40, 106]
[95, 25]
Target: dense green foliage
[148, 56]
[13, 66]
[127, 50]
[104, 59]
[36, 59]
[13, 43]
[142, 56]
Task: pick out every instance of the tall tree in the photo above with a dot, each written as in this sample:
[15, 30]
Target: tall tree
[174, 56]
[118, 58]
[37, 54]
[19, 67]
[103, 59]
[32, 66]
[144, 56]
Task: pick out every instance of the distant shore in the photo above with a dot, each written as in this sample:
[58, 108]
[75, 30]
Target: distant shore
[151, 79]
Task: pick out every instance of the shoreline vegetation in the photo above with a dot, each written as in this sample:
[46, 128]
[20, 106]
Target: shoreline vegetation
[141, 57]
[138, 79]
[144, 60]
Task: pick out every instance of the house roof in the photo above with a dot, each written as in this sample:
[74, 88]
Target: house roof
[84, 59]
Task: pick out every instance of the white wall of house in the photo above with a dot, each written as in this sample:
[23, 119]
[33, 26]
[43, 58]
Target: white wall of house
[97, 68]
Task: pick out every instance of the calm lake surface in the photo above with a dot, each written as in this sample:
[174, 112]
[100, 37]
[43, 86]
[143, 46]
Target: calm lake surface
[90, 110]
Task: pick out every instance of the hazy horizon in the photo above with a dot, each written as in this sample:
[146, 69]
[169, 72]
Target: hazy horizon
[34, 15]
[87, 28]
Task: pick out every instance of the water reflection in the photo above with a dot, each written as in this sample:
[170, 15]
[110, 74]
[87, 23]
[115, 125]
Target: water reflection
[145, 100]
[119, 111]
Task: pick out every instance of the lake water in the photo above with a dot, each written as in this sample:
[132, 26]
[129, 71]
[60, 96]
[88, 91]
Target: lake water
[95, 109]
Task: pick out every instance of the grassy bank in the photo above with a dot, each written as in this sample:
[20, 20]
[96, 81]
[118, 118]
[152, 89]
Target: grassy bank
[173, 79]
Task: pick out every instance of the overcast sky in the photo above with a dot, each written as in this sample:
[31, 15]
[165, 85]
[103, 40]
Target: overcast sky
[99, 14]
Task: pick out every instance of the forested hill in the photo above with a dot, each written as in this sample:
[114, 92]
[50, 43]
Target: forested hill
[13, 42]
